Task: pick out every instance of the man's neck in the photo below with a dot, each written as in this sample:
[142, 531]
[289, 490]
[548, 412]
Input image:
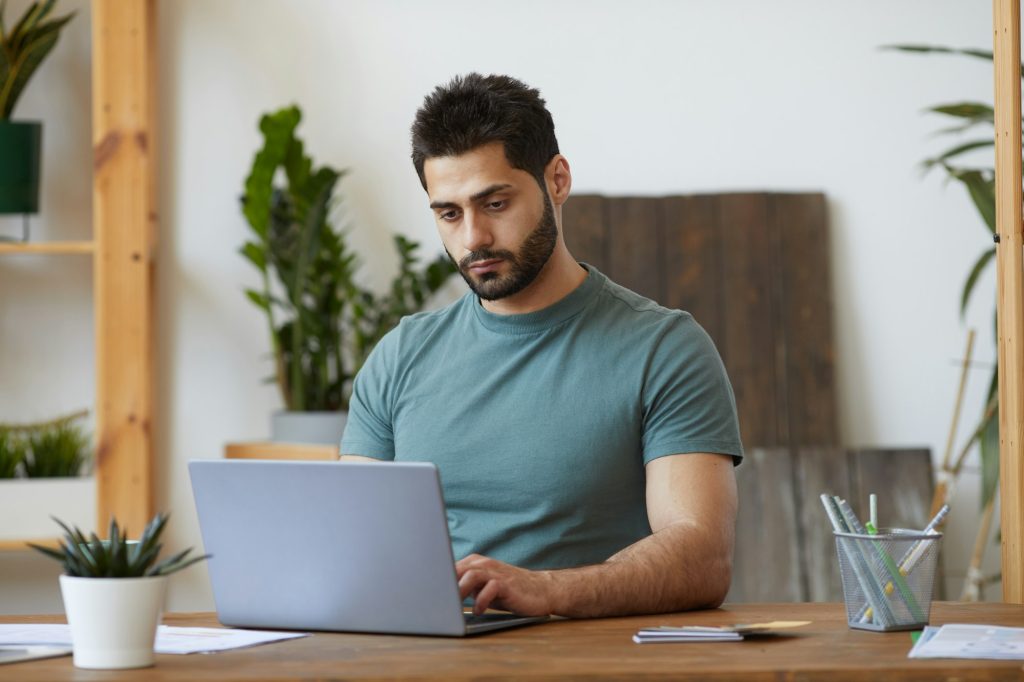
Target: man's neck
[559, 278]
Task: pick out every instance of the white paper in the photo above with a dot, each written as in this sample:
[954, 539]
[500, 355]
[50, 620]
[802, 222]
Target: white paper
[972, 641]
[169, 639]
[16, 654]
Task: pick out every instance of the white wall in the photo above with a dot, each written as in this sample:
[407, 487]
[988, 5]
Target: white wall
[648, 98]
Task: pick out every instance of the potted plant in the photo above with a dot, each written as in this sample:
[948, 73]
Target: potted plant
[22, 49]
[113, 592]
[44, 470]
[322, 324]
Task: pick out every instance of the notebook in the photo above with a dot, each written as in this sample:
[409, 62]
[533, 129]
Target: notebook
[335, 546]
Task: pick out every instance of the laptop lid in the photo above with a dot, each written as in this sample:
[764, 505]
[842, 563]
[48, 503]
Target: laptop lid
[359, 547]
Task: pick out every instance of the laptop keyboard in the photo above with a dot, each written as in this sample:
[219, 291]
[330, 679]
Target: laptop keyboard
[484, 618]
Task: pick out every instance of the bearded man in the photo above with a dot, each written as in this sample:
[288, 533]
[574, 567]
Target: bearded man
[585, 436]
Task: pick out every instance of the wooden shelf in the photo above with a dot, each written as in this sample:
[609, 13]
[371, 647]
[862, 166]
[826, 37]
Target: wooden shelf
[22, 545]
[49, 248]
[270, 450]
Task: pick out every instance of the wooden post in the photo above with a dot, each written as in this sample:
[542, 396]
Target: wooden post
[1010, 298]
[124, 225]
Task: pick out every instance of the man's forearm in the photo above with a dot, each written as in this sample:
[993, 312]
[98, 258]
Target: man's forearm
[683, 566]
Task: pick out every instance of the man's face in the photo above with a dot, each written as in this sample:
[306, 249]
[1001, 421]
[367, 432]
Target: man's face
[497, 226]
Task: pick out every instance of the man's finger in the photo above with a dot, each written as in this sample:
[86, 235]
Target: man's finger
[484, 597]
[467, 562]
[471, 581]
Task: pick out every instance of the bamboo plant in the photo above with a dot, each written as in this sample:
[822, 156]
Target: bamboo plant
[973, 130]
[322, 324]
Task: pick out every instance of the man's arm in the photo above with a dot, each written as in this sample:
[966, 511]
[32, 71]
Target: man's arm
[685, 564]
[358, 458]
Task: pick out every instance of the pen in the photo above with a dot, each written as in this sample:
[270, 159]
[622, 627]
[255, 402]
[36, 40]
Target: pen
[846, 521]
[912, 557]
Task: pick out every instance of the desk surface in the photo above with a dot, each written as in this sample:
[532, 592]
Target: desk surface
[583, 649]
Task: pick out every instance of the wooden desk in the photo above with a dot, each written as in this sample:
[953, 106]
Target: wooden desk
[586, 649]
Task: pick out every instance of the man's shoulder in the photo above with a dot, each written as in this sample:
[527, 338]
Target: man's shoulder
[633, 309]
[428, 322]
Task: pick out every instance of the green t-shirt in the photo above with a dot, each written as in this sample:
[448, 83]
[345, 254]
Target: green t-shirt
[540, 424]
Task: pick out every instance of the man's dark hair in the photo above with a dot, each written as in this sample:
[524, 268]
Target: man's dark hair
[474, 110]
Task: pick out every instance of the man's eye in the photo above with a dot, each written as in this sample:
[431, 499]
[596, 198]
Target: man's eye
[496, 205]
[449, 215]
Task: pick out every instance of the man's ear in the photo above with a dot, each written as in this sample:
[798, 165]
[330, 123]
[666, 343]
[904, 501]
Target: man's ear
[558, 179]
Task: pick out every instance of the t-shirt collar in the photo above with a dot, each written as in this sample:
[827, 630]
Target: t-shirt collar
[539, 320]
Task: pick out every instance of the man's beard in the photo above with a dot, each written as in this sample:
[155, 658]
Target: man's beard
[524, 266]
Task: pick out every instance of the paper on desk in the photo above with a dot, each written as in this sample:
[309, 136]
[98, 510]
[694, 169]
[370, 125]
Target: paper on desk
[169, 639]
[955, 640]
[704, 633]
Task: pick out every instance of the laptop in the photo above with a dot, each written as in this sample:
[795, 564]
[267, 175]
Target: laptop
[336, 546]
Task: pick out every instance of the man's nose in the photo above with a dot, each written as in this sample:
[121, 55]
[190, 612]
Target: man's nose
[476, 231]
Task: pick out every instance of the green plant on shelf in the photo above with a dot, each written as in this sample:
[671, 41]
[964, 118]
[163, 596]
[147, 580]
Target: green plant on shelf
[117, 557]
[12, 453]
[23, 48]
[58, 448]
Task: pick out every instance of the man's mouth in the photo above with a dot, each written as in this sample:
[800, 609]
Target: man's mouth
[481, 267]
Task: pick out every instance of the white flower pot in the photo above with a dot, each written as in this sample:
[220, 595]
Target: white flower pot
[27, 505]
[113, 620]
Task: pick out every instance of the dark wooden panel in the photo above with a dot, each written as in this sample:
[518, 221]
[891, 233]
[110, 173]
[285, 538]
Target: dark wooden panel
[634, 250]
[584, 227]
[800, 223]
[750, 339]
[818, 471]
[693, 262]
[902, 479]
[767, 561]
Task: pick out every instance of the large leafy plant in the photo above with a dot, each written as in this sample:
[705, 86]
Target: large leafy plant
[322, 324]
[117, 556]
[973, 130]
[23, 48]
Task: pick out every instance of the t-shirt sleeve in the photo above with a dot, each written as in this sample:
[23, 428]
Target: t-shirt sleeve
[688, 401]
[369, 431]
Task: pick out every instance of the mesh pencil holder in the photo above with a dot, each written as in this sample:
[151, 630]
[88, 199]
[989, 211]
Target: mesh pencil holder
[888, 578]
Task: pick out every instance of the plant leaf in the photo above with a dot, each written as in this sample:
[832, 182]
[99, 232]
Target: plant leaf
[981, 186]
[957, 150]
[972, 278]
[255, 254]
[278, 129]
[938, 49]
[27, 58]
[973, 111]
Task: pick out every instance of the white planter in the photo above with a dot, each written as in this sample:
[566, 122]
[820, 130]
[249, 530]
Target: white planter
[307, 427]
[113, 620]
[26, 505]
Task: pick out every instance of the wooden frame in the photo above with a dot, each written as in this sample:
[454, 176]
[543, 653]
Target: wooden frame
[124, 226]
[1010, 288]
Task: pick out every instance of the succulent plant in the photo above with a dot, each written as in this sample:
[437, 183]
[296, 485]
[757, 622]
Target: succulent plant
[116, 557]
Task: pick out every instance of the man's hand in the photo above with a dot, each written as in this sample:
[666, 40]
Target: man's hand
[494, 584]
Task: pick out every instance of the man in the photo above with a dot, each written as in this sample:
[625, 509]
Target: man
[585, 436]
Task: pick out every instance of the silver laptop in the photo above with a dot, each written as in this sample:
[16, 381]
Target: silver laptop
[339, 546]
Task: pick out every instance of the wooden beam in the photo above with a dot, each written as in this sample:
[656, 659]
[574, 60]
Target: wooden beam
[1010, 291]
[124, 222]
